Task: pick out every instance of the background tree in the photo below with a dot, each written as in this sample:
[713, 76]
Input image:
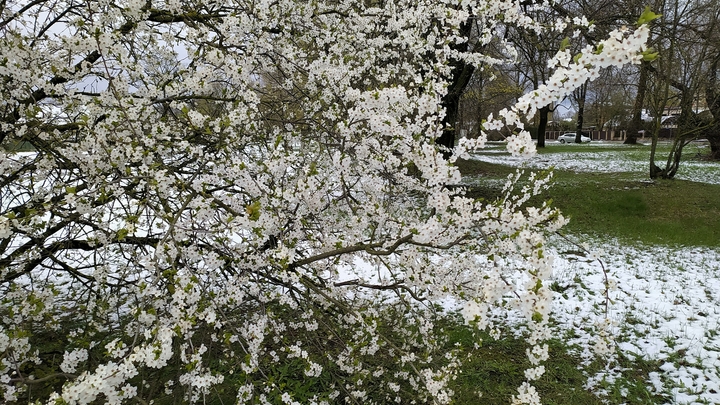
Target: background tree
[710, 23]
[537, 56]
[533, 55]
[684, 74]
[579, 96]
[605, 17]
[620, 12]
[490, 90]
[607, 105]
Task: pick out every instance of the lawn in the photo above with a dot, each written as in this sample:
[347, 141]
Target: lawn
[660, 246]
[605, 191]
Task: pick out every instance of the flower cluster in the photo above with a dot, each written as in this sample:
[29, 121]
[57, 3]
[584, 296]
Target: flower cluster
[72, 359]
[248, 197]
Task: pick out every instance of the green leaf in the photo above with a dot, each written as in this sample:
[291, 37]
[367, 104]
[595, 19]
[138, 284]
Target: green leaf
[122, 233]
[647, 16]
[649, 55]
[564, 43]
[253, 211]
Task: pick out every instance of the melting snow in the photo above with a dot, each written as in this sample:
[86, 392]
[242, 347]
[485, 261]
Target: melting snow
[594, 157]
[666, 305]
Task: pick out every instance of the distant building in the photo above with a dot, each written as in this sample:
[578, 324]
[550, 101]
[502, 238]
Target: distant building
[668, 121]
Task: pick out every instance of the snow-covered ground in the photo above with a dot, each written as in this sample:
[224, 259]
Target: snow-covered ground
[595, 157]
[665, 306]
[666, 301]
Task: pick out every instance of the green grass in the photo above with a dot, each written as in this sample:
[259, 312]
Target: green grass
[670, 212]
[620, 205]
[18, 146]
[496, 370]
[625, 206]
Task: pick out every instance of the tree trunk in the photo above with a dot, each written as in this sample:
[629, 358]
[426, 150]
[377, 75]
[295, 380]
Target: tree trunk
[687, 129]
[578, 128]
[580, 95]
[673, 161]
[461, 75]
[542, 126]
[714, 145]
[655, 171]
[636, 121]
[712, 98]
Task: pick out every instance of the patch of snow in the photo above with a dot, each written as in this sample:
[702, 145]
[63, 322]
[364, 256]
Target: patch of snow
[666, 307]
[593, 158]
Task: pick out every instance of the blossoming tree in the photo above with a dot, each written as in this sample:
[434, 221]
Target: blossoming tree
[217, 195]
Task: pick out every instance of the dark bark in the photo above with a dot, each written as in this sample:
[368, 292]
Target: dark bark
[578, 128]
[451, 102]
[689, 126]
[580, 95]
[712, 98]
[715, 144]
[636, 121]
[542, 126]
[461, 75]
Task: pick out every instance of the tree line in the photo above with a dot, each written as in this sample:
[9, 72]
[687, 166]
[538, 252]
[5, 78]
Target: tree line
[678, 76]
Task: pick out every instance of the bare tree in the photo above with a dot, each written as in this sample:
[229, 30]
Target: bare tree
[532, 68]
[685, 76]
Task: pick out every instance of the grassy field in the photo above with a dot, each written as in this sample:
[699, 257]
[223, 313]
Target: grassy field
[619, 205]
[495, 370]
[624, 205]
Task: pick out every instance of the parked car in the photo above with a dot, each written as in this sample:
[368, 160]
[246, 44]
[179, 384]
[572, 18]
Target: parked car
[570, 138]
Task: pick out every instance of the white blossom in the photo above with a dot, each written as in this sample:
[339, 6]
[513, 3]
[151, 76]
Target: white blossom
[72, 359]
[217, 195]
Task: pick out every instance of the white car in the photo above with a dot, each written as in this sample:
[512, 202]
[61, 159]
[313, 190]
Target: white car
[570, 138]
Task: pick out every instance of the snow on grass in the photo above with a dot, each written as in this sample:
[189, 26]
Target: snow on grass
[665, 304]
[666, 307]
[609, 157]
